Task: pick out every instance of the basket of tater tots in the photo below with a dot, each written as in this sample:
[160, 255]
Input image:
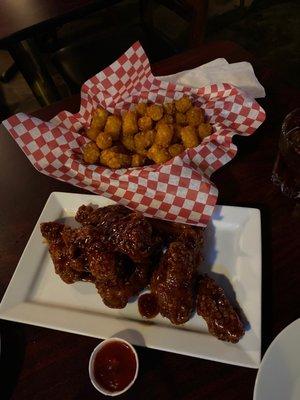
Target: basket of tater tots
[147, 134]
[148, 144]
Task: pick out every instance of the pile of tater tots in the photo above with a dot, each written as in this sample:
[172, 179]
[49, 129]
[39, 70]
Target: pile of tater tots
[149, 134]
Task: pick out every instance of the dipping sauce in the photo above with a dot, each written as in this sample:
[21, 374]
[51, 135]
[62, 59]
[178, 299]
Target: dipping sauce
[148, 306]
[114, 366]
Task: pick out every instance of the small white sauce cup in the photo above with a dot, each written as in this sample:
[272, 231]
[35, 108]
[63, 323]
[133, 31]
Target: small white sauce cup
[91, 367]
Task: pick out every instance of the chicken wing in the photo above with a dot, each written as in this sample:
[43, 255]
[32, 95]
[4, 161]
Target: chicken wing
[128, 231]
[173, 232]
[221, 318]
[69, 264]
[173, 282]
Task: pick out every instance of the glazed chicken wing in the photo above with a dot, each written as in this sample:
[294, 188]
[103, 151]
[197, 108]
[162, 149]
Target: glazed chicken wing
[221, 318]
[102, 217]
[133, 235]
[173, 283]
[69, 264]
[116, 249]
[129, 232]
[112, 248]
[173, 232]
[116, 292]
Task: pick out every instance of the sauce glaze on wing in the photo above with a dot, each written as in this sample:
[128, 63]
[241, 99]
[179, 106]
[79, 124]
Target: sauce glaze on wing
[221, 318]
[173, 283]
[121, 251]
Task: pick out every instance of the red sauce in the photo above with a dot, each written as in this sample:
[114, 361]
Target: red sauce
[148, 306]
[114, 366]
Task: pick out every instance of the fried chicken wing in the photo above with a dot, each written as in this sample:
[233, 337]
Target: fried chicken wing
[173, 232]
[91, 253]
[69, 264]
[133, 236]
[51, 231]
[116, 293]
[173, 283]
[101, 217]
[221, 318]
[113, 295]
[118, 278]
[129, 232]
[117, 249]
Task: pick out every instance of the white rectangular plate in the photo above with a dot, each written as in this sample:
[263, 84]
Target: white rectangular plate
[232, 253]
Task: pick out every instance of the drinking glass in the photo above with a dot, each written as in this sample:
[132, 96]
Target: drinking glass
[286, 172]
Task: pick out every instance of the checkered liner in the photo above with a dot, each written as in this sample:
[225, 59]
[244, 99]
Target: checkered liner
[179, 190]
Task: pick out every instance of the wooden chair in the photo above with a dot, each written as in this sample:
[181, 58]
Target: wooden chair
[79, 60]
[192, 11]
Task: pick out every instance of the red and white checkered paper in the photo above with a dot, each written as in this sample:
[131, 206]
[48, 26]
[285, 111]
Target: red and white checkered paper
[179, 190]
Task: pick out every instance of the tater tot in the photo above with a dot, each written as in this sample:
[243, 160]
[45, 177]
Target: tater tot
[169, 108]
[158, 154]
[145, 123]
[195, 116]
[128, 142]
[92, 133]
[91, 153]
[155, 112]
[163, 135]
[189, 137]
[113, 126]
[129, 123]
[113, 159]
[180, 118]
[183, 104]
[137, 160]
[204, 130]
[104, 140]
[166, 119]
[148, 133]
[99, 118]
[144, 140]
[176, 149]
[141, 108]
[176, 134]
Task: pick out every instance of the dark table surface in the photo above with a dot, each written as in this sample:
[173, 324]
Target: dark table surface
[19, 18]
[38, 363]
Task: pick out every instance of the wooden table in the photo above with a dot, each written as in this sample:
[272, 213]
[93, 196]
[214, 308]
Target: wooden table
[38, 363]
[22, 19]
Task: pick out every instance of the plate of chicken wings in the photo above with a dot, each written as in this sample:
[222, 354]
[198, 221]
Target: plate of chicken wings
[96, 268]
